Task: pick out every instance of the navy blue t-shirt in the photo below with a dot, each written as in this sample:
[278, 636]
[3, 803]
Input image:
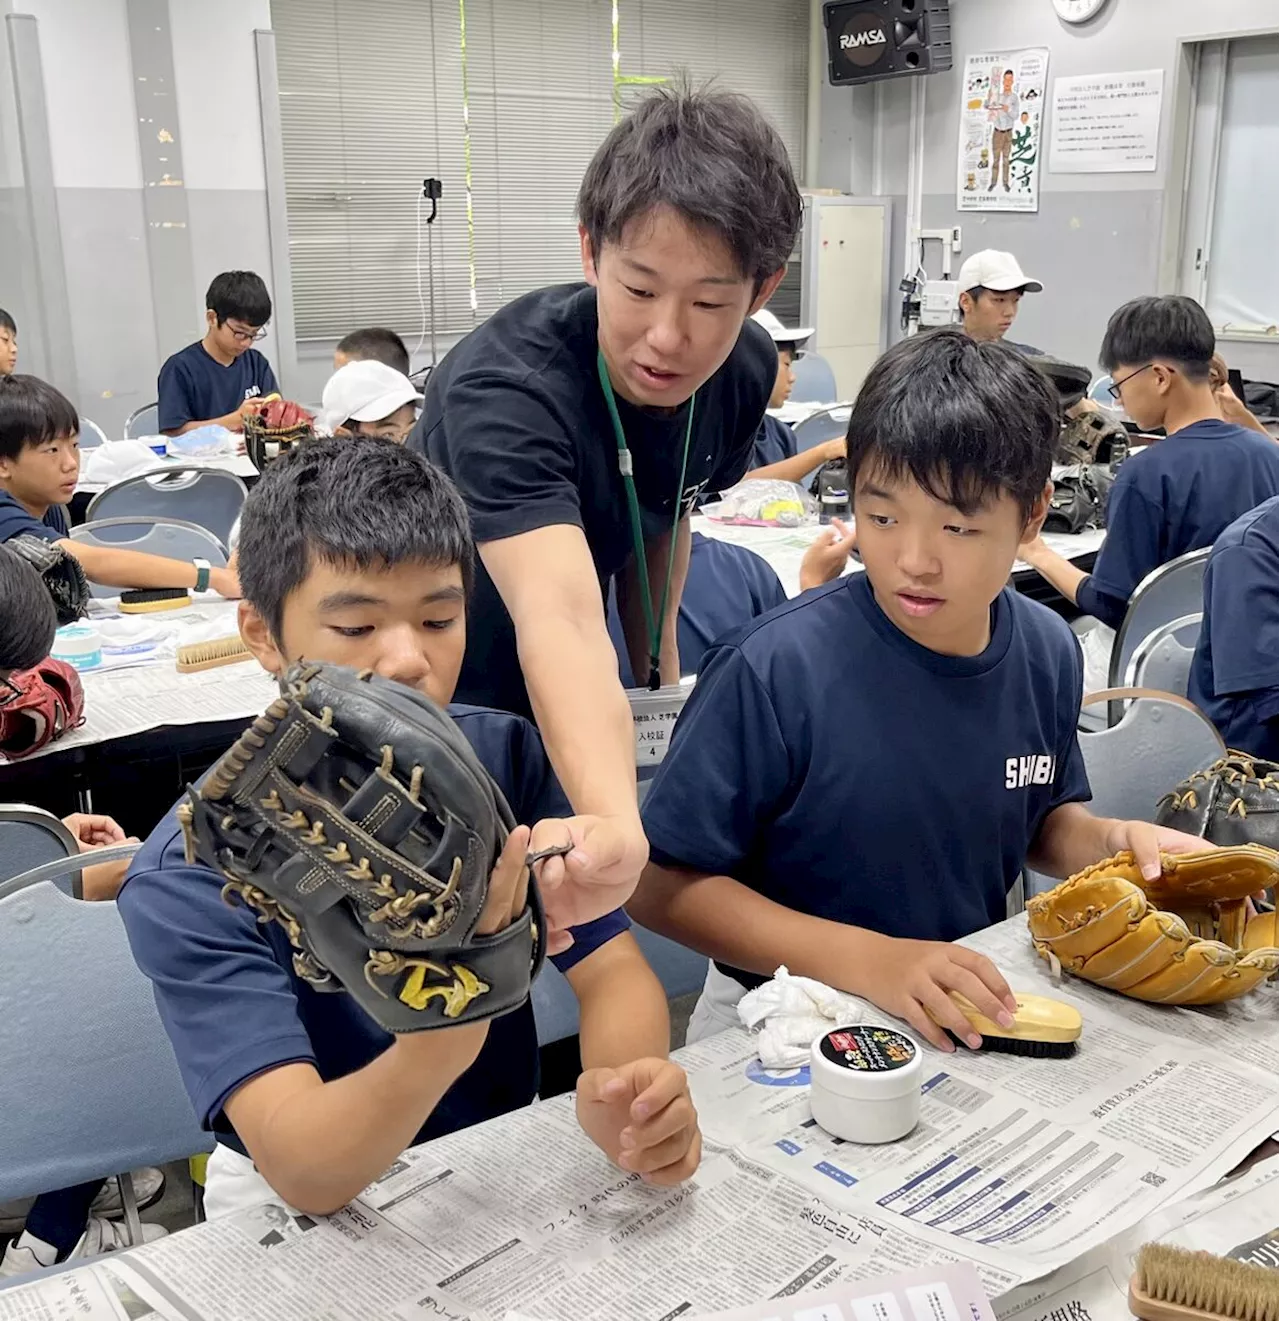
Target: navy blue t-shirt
[835, 766]
[14, 521]
[195, 388]
[1233, 672]
[1176, 495]
[727, 587]
[233, 1006]
[775, 441]
[516, 416]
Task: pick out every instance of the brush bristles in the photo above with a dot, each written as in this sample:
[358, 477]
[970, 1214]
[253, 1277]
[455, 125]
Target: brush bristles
[209, 655]
[1042, 1050]
[1207, 1283]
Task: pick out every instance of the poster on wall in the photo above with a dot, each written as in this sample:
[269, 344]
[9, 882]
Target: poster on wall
[1106, 123]
[1002, 109]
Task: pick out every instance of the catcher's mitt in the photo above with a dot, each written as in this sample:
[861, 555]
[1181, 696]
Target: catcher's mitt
[38, 706]
[1107, 925]
[1234, 801]
[61, 573]
[273, 427]
[355, 814]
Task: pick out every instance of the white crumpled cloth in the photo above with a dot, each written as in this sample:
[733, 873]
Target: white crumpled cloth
[786, 1014]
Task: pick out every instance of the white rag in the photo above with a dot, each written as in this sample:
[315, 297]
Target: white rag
[787, 1013]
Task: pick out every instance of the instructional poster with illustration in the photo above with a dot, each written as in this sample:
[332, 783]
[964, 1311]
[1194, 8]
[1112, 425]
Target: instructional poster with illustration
[1002, 116]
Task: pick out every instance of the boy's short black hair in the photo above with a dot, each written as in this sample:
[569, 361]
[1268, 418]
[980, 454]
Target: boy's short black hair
[27, 617]
[33, 413]
[964, 418]
[239, 294]
[7, 322]
[356, 500]
[1172, 327]
[709, 155]
[378, 344]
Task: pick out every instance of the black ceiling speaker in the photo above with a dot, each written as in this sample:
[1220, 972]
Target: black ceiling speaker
[869, 40]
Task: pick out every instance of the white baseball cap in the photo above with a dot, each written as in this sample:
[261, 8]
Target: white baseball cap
[364, 391]
[990, 269]
[779, 333]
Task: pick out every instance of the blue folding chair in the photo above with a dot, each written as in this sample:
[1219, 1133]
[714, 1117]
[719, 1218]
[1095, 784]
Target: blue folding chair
[186, 493]
[90, 1087]
[815, 381]
[171, 538]
[1172, 591]
[91, 434]
[30, 837]
[144, 421]
[1160, 740]
[1163, 658]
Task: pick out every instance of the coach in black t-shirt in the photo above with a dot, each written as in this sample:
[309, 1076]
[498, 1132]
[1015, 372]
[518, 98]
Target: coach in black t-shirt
[688, 213]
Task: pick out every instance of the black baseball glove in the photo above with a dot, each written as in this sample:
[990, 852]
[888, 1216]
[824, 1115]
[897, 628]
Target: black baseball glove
[1234, 801]
[61, 573]
[355, 814]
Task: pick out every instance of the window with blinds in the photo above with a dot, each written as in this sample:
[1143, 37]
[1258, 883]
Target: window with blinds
[504, 101]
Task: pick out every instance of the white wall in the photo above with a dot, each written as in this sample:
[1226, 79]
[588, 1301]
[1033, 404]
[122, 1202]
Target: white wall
[1095, 241]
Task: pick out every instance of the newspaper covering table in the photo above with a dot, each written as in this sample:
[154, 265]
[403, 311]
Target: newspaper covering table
[1019, 1167]
[149, 692]
[784, 547]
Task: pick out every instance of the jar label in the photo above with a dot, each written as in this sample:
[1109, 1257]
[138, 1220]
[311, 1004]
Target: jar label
[868, 1049]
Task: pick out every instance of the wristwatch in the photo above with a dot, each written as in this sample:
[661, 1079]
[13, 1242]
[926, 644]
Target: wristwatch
[202, 574]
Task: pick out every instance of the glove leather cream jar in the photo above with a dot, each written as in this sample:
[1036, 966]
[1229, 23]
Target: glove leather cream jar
[865, 1083]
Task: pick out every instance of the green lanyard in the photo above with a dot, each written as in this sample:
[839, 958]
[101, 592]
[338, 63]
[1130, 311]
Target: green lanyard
[626, 468]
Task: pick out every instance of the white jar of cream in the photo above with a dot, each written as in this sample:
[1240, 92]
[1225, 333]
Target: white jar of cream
[865, 1083]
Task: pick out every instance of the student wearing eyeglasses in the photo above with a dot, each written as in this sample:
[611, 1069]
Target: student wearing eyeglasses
[1180, 493]
[214, 381]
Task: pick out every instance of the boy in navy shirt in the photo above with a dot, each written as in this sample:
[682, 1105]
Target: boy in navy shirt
[210, 382]
[39, 469]
[727, 586]
[1177, 494]
[8, 344]
[777, 454]
[860, 776]
[1233, 673]
[356, 551]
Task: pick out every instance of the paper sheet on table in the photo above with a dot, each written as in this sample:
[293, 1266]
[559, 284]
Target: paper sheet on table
[1019, 1167]
[134, 693]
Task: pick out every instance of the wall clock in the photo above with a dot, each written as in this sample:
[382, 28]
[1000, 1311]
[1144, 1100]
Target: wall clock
[1077, 11]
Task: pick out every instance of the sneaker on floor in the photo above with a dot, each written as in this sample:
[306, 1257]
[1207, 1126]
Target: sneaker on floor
[148, 1188]
[28, 1253]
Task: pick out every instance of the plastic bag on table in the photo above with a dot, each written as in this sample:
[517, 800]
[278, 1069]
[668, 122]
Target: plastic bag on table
[763, 502]
[203, 443]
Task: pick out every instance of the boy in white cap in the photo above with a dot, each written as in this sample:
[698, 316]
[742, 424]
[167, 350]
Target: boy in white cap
[368, 398]
[776, 455]
[991, 287]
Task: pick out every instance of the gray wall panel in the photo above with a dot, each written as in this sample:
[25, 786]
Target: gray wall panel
[228, 232]
[1092, 250]
[109, 287]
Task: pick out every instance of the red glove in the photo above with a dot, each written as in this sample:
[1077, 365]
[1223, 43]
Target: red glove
[38, 706]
